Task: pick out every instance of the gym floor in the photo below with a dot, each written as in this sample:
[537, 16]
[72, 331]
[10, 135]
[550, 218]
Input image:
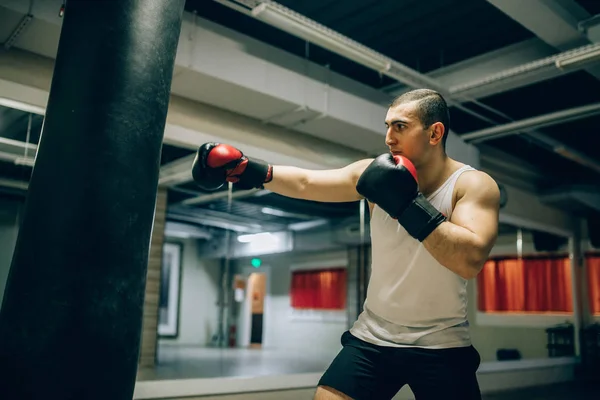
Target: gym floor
[196, 362]
[572, 391]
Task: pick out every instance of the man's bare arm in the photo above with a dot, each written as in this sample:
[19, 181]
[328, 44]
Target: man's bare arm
[463, 243]
[332, 185]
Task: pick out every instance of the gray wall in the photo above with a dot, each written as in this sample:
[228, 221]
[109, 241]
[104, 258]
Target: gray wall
[198, 297]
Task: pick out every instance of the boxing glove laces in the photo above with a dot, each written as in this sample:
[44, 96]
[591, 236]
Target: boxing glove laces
[391, 183]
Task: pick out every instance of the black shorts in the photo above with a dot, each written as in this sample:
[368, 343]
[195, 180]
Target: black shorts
[365, 371]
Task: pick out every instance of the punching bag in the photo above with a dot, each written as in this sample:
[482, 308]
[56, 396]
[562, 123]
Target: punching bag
[71, 315]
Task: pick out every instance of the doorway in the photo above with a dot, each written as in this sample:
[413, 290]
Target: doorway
[257, 285]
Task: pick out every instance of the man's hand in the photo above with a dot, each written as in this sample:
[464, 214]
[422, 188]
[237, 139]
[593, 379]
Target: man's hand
[391, 183]
[217, 163]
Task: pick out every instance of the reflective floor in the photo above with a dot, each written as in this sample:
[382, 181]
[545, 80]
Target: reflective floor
[570, 391]
[180, 362]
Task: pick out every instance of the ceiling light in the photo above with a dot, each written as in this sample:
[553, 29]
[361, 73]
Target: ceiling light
[284, 214]
[302, 27]
[255, 237]
[579, 60]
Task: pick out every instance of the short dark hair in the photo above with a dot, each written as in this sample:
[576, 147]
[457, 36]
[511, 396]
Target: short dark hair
[431, 108]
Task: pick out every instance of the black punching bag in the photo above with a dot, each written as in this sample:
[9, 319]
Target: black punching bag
[71, 315]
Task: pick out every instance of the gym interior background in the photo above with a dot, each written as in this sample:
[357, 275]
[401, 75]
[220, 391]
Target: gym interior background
[233, 275]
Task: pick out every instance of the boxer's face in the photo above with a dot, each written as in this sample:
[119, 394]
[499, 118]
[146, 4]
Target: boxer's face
[406, 135]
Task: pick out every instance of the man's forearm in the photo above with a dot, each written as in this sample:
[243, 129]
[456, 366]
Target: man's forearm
[457, 249]
[288, 181]
[332, 186]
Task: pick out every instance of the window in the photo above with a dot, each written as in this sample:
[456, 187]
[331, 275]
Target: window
[526, 285]
[319, 289]
[593, 268]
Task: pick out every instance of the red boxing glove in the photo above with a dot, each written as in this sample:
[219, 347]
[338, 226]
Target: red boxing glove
[217, 163]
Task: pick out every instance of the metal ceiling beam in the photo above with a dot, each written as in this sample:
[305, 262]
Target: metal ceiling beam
[528, 124]
[14, 184]
[477, 77]
[216, 223]
[555, 22]
[506, 69]
[223, 195]
[176, 172]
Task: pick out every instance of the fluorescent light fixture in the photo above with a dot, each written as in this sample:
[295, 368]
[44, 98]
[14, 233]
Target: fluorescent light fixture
[255, 237]
[301, 226]
[27, 161]
[181, 235]
[19, 105]
[579, 60]
[284, 214]
[302, 27]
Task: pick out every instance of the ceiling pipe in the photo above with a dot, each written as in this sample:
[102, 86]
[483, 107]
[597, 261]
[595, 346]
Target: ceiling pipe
[540, 121]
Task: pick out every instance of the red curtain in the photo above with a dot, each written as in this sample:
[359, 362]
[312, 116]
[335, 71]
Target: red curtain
[323, 289]
[525, 285]
[593, 268]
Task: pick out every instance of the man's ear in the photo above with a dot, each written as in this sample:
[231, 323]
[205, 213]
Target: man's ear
[437, 132]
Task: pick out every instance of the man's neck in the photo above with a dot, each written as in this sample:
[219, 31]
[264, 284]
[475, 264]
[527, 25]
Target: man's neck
[434, 174]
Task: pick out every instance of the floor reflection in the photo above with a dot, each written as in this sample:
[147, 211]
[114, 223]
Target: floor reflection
[184, 362]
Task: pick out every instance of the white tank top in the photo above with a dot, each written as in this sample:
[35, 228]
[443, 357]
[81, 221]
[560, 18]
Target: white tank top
[412, 300]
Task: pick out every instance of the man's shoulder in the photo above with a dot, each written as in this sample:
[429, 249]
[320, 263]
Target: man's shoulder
[476, 183]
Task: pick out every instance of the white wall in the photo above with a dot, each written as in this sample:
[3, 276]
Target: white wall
[198, 296]
[8, 237]
[281, 330]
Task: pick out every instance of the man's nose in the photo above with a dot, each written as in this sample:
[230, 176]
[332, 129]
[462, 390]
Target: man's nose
[389, 138]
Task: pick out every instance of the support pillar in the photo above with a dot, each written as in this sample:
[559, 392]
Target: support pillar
[357, 280]
[71, 317]
[150, 322]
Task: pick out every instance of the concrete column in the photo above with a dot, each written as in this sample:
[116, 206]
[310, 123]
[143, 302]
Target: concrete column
[150, 321]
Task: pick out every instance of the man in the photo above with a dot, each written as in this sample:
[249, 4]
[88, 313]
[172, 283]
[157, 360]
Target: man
[433, 223]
